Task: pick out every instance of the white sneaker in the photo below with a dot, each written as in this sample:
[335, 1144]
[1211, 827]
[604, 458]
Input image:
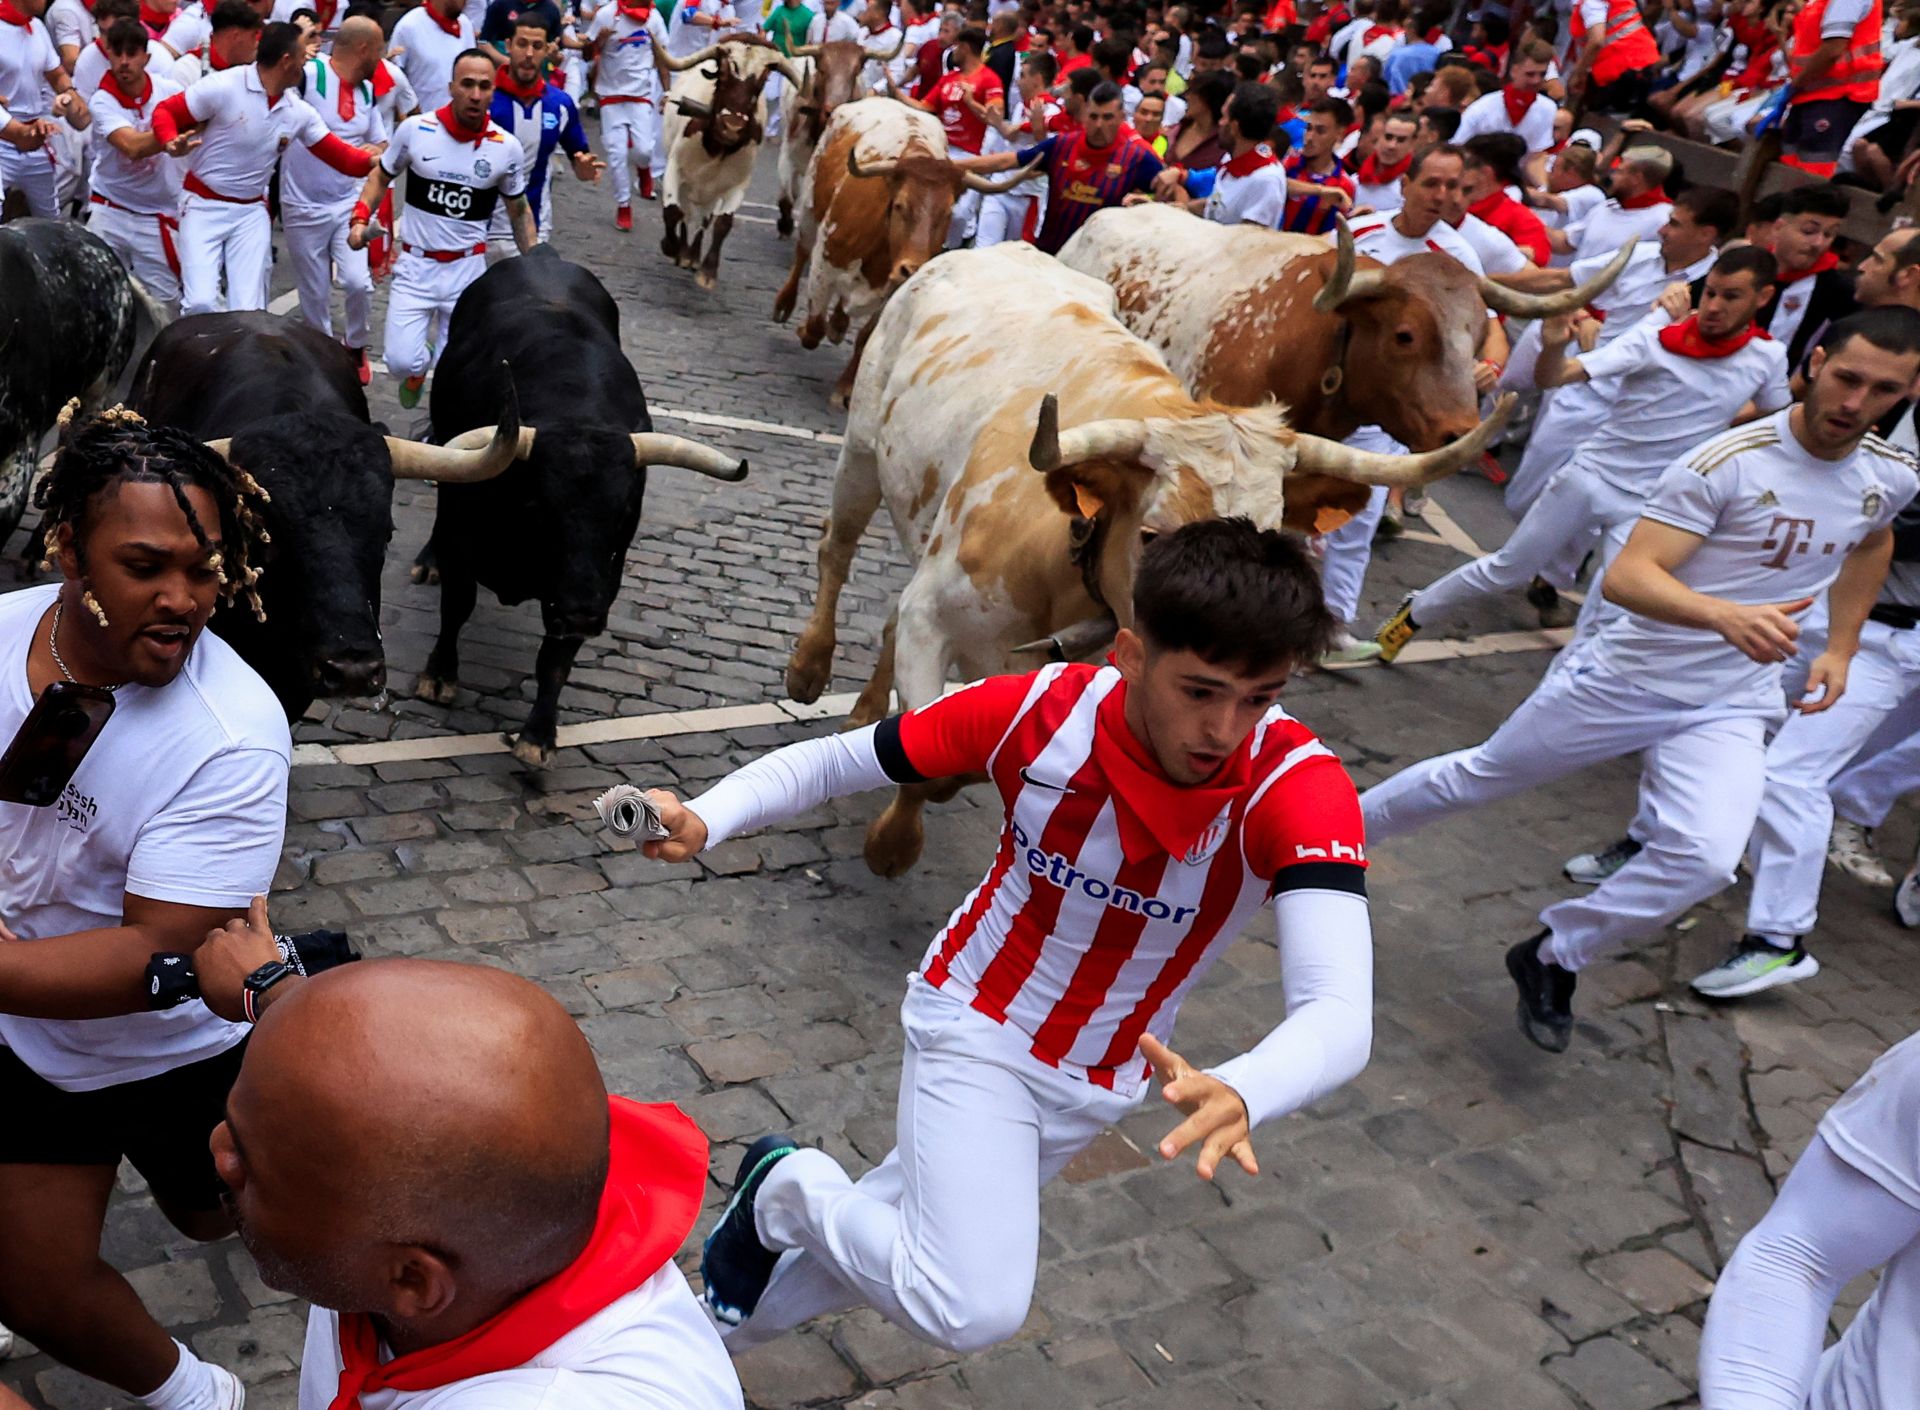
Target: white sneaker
[1906, 900]
[1592, 868]
[1754, 966]
[1349, 650]
[1851, 849]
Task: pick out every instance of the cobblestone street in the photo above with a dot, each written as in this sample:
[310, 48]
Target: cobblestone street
[1471, 1224]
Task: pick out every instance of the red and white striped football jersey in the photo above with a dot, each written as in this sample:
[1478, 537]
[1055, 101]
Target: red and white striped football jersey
[1113, 888]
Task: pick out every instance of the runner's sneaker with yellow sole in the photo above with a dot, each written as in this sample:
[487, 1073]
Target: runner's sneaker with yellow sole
[1396, 631]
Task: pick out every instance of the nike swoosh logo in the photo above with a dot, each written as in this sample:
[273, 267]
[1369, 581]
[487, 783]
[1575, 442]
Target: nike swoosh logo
[1043, 783]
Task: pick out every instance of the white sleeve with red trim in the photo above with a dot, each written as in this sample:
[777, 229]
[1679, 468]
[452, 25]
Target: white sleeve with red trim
[1326, 965]
[954, 735]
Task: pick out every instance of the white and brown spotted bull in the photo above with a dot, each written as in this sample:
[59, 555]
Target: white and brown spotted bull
[715, 117]
[830, 75]
[880, 197]
[1026, 445]
[1342, 342]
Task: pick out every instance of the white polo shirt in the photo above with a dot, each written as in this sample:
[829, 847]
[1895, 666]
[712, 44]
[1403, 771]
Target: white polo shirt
[27, 56]
[1775, 525]
[626, 55]
[1376, 235]
[652, 1348]
[240, 143]
[70, 22]
[189, 29]
[1489, 114]
[1666, 404]
[1258, 198]
[1498, 254]
[149, 185]
[430, 52]
[93, 65]
[309, 184]
[1611, 225]
[451, 186]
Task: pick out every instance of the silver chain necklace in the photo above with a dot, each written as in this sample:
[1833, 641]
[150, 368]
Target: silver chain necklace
[53, 643]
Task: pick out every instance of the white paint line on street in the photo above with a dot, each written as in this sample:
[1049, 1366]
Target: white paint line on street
[721, 718]
[737, 423]
[755, 219]
[286, 303]
[1449, 531]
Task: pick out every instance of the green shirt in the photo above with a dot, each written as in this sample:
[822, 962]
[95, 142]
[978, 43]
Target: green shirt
[787, 26]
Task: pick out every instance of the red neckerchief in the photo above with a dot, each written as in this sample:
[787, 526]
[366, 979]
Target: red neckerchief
[382, 80]
[456, 131]
[1379, 31]
[1820, 266]
[656, 1176]
[10, 15]
[345, 102]
[1150, 811]
[1433, 35]
[155, 22]
[1518, 104]
[1490, 204]
[109, 85]
[1250, 161]
[1646, 199]
[637, 11]
[447, 26]
[1686, 339]
[214, 62]
[504, 81]
[1371, 173]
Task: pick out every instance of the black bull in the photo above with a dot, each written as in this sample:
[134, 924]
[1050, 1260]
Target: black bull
[66, 330]
[556, 526]
[283, 401]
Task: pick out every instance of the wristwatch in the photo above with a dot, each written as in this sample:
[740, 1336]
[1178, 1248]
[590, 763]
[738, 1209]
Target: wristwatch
[257, 983]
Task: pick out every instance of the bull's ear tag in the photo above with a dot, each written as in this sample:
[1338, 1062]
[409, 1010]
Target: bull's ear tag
[1090, 503]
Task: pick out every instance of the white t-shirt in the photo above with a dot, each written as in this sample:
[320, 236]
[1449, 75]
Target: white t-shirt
[1631, 297]
[1498, 254]
[841, 24]
[1875, 1128]
[626, 64]
[27, 56]
[429, 56]
[454, 200]
[653, 1349]
[183, 798]
[1258, 198]
[150, 185]
[1611, 225]
[684, 37]
[244, 132]
[1383, 199]
[1776, 524]
[1489, 114]
[306, 182]
[70, 22]
[1376, 235]
[189, 29]
[92, 66]
[1582, 201]
[1663, 404]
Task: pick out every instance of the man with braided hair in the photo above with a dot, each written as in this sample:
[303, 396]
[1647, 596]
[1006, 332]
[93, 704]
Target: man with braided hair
[170, 826]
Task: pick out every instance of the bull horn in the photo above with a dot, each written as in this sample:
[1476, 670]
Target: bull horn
[1334, 292]
[975, 182]
[692, 61]
[471, 457]
[805, 51]
[1072, 643]
[655, 448]
[1317, 455]
[1515, 304]
[1121, 438]
[878, 169]
[784, 66]
[220, 447]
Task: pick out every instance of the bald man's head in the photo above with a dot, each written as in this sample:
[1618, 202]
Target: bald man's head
[357, 47]
[420, 1140]
[1890, 273]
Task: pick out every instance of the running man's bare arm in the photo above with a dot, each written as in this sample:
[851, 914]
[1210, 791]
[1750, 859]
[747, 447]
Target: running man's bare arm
[1642, 580]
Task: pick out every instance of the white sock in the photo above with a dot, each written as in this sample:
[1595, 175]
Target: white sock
[192, 1386]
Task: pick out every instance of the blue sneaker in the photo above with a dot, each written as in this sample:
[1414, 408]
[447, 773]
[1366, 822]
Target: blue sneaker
[734, 1264]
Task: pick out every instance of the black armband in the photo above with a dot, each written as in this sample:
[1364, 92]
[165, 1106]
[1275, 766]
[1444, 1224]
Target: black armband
[1321, 876]
[892, 754]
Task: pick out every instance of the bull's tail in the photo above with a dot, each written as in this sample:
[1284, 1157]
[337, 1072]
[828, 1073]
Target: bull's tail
[157, 314]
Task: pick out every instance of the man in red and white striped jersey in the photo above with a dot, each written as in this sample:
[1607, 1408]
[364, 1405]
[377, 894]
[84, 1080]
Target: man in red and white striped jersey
[1152, 807]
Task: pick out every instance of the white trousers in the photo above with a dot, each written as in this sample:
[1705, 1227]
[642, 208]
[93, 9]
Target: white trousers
[943, 1236]
[231, 236]
[1002, 218]
[35, 175]
[141, 242]
[420, 300]
[628, 131]
[657, 163]
[1574, 509]
[775, 87]
[70, 160]
[1697, 808]
[966, 214]
[1788, 853]
[1567, 416]
[317, 247]
[1885, 770]
[1346, 552]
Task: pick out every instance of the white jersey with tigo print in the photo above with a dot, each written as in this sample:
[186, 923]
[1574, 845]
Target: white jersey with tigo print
[451, 185]
[1085, 932]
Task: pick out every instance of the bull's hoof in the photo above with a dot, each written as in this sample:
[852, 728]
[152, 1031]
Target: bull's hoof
[435, 690]
[670, 247]
[706, 279]
[783, 308]
[807, 674]
[532, 753]
[894, 842]
[838, 398]
[837, 323]
[810, 334]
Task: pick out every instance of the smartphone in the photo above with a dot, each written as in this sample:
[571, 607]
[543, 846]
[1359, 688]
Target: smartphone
[53, 739]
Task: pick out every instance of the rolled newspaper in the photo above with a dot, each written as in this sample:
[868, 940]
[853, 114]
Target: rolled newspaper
[628, 810]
